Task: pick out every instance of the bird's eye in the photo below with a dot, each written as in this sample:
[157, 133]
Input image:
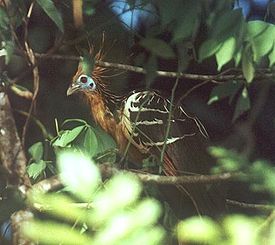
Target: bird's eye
[83, 79]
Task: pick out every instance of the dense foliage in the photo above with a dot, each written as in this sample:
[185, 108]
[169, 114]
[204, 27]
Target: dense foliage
[221, 61]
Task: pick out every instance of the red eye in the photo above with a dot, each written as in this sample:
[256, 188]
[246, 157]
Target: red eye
[83, 79]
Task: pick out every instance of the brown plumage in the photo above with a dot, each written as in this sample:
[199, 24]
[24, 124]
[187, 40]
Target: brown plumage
[141, 118]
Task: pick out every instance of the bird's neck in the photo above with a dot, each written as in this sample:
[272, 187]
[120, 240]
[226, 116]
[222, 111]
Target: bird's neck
[102, 113]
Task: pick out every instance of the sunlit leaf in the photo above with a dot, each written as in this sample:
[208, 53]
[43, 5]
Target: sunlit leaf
[158, 47]
[147, 213]
[36, 151]
[48, 232]
[200, 230]
[271, 56]
[50, 9]
[148, 236]
[261, 42]
[247, 65]
[223, 90]
[67, 136]
[226, 52]
[59, 205]
[243, 104]
[241, 230]
[208, 48]
[237, 57]
[129, 190]
[227, 160]
[263, 177]
[79, 174]
[36, 169]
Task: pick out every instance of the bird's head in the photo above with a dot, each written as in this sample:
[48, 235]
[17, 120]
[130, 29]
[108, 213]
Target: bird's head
[88, 80]
[88, 76]
[82, 83]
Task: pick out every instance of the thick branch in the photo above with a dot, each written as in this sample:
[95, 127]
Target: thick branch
[108, 171]
[170, 74]
[12, 157]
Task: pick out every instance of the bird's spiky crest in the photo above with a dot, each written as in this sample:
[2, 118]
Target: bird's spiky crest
[98, 72]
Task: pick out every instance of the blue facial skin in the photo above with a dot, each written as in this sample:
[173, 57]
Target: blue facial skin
[83, 83]
[86, 83]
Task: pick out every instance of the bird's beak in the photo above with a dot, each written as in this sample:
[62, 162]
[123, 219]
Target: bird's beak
[74, 87]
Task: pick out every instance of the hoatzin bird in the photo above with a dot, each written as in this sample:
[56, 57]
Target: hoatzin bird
[139, 122]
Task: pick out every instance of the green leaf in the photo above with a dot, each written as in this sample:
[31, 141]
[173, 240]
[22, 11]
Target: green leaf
[167, 10]
[67, 136]
[50, 9]
[185, 28]
[228, 24]
[247, 65]
[74, 120]
[58, 205]
[226, 52]
[130, 189]
[256, 28]
[188, 23]
[36, 151]
[271, 56]
[260, 32]
[79, 173]
[241, 229]
[199, 230]
[243, 104]
[237, 58]
[48, 232]
[228, 160]
[208, 48]
[158, 47]
[34, 170]
[105, 142]
[4, 20]
[221, 91]
[90, 142]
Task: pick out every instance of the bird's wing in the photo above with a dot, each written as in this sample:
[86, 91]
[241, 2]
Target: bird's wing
[145, 121]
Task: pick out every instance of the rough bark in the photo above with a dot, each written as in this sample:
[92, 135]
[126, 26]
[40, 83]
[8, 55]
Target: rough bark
[12, 157]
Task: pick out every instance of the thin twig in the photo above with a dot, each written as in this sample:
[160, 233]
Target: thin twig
[42, 207]
[168, 122]
[36, 78]
[263, 207]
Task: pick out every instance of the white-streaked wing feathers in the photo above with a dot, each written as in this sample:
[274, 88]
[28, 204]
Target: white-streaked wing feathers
[144, 121]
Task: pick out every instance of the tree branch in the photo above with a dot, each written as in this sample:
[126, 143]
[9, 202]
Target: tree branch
[262, 207]
[107, 171]
[12, 158]
[170, 74]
